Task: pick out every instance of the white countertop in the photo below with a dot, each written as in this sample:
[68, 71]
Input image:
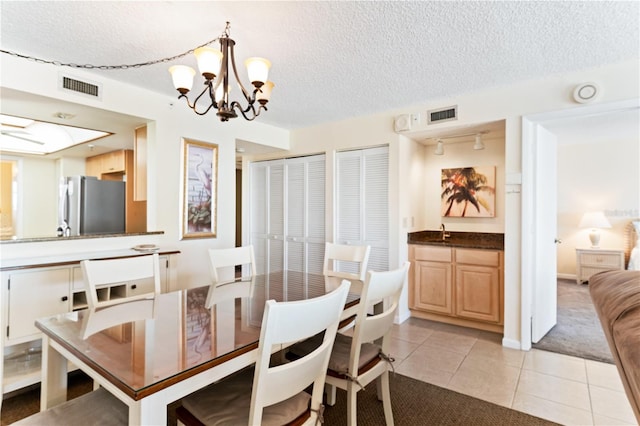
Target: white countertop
[63, 258]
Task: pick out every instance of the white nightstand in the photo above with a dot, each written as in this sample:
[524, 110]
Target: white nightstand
[591, 261]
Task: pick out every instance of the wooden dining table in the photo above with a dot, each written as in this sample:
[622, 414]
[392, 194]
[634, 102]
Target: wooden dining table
[196, 337]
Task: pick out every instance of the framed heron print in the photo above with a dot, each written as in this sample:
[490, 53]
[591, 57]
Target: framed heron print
[199, 189]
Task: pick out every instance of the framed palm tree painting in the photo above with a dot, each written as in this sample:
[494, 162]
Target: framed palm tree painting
[199, 189]
[468, 192]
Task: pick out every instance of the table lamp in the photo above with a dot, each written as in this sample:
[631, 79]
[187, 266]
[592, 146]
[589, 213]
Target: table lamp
[595, 221]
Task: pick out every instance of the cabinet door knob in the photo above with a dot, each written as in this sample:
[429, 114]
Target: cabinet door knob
[557, 241]
[65, 298]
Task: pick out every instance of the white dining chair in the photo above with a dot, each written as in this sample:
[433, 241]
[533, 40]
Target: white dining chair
[348, 262]
[222, 263]
[359, 359]
[119, 291]
[274, 395]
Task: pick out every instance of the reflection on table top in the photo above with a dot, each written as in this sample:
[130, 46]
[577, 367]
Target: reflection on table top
[185, 337]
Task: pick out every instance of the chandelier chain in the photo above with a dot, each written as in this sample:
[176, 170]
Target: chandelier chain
[107, 67]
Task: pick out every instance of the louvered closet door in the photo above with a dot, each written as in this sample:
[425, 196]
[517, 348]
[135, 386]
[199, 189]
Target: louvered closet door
[305, 216]
[267, 215]
[288, 214]
[362, 209]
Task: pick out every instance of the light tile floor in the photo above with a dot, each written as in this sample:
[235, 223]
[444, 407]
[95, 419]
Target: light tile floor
[560, 388]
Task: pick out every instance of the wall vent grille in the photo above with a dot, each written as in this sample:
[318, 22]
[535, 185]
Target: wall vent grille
[79, 86]
[443, 114]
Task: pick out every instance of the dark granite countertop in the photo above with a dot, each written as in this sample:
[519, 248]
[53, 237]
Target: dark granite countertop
[477, 240]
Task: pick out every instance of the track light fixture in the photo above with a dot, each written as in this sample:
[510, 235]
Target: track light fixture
[478, 144]
[216, 66]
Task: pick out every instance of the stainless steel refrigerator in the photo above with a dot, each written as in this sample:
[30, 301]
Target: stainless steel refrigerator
[91, 206]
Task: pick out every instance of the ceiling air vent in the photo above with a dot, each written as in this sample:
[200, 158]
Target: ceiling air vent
[79, 86]
[442, 114]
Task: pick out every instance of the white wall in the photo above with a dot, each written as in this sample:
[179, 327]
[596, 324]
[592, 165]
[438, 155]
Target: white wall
[596, 176]
[509, 103]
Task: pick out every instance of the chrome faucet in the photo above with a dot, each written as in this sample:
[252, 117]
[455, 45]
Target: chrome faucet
[445, 234]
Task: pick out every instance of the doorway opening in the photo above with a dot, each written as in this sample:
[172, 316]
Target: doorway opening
[600, 194]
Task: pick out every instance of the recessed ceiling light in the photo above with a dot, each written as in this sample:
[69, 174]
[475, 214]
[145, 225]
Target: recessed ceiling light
[64, 115]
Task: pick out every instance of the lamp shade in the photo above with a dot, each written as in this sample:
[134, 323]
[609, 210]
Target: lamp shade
[264, 94]
[594, 220]
[258, 70]
[182, 77]
[209, 60]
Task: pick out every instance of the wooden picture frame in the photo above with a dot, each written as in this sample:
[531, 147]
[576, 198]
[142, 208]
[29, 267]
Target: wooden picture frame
[199, 189]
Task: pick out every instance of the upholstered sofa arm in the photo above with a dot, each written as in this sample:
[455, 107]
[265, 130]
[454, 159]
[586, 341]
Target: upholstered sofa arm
[616, 297]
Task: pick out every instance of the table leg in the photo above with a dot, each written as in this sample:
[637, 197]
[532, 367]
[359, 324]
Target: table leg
[53, 390]
[148, 411]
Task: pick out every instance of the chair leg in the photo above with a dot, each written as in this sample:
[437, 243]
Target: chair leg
[386, 398]
[331, 394]
[352, 407]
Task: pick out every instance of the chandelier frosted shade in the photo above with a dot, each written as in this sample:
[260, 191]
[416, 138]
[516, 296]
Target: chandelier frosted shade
[182, 77]
[258, 70]
[209, 60]
[265, 93]
[217, 67]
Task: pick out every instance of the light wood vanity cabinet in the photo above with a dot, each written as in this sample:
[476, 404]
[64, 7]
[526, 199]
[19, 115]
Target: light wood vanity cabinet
[433, 279]
[457, 285]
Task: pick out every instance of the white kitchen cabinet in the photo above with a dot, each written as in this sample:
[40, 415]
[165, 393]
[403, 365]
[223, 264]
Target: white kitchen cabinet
[34, 294]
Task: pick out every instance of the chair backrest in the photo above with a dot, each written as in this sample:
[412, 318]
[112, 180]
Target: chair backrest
[224, 261]
[223, 292]
[379, 286]
[343, 261]
[109, 285]
[109, 282]
[287, 322]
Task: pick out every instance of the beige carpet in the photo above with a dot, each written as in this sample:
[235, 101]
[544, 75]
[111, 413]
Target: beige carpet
[414, 403]
[578, 331]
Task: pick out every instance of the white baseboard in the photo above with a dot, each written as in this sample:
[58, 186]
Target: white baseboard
[511, 343]
[402, 316]
[567, 276]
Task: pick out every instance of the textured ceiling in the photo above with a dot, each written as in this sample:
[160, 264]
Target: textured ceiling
[333, 60]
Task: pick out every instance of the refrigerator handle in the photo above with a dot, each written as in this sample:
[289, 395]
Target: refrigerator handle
[63, 229]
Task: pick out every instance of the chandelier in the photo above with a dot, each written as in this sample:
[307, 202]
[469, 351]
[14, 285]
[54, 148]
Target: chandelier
[214, 67]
